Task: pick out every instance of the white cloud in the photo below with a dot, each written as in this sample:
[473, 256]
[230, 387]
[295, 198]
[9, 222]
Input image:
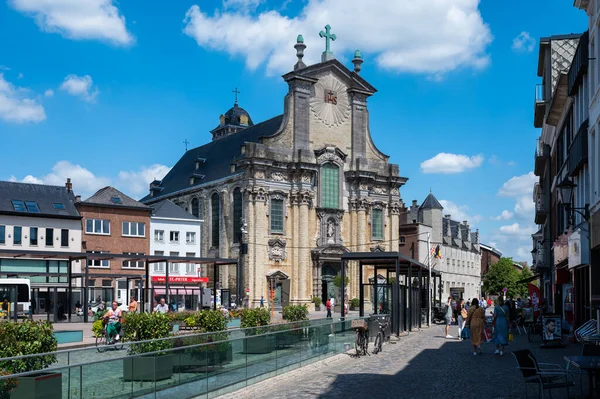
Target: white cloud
[451, 163]
[525, 207]
[49, 93]
[402, 35]
[504, 215]
[137, 183]
[20, 76]
[523, 253]
[241, 5]
[459, 212]
[517, 230]
[511, 163]
[86, 183]
[523, 43]
[80, 86]
[518, 186]
[16, 105]
[78, 19]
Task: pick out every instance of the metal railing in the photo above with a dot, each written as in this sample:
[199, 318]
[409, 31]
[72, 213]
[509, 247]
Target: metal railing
[197, 370]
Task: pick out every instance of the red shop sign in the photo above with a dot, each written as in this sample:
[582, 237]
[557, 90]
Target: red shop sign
[176, 279]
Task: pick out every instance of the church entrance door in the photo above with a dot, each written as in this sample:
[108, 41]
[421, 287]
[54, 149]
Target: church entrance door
[328, 288]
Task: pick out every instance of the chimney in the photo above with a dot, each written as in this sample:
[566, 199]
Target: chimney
[448, 216]
[414, 202]
[69, 185]
[78, 198]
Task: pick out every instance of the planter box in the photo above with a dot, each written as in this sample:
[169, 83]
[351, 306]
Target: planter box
[317, 308]
[148, 368]
[259, 344]
[201, 359]
[38, 386]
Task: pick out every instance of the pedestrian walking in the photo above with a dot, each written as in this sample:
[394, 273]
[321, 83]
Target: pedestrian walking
[476, 322]
[461, 317]
[133, 305]
[5, 309]
[328, 307]
[262, 301]
[502, 321]
[448, 317]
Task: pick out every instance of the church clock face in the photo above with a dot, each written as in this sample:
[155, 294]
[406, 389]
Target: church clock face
[330, 103]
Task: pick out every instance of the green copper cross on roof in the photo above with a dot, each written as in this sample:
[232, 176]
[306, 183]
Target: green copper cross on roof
[328, 37]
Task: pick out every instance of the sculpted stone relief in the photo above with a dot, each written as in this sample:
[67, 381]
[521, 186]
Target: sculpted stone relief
[330, 103]
[277, 250]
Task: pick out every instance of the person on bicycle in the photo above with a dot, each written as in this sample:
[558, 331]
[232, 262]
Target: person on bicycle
[113, 327]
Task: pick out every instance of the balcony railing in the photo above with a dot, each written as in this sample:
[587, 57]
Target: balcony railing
[540, 105]
[539, 93]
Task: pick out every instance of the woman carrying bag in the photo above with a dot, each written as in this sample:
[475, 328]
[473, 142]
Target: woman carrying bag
[475, 323]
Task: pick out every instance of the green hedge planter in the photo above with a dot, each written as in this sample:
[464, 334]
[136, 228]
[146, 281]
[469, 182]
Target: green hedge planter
[148, 368]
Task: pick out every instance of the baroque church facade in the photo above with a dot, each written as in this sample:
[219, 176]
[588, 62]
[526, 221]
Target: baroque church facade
[297, 191]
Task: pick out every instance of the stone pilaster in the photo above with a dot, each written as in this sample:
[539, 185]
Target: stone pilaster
[260, 281]
[361, 223]
[223, 239]
[294, 198]
[394, 216]
[305, 200]
[250, 259]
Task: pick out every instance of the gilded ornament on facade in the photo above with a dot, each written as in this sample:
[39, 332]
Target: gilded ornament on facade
[330, 103]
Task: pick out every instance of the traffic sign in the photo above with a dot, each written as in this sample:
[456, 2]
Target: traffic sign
[504, 289]
[247, 289]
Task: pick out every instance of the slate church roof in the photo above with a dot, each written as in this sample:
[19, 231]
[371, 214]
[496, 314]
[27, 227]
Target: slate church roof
[43, 195]
[431, 203]
[215, 159]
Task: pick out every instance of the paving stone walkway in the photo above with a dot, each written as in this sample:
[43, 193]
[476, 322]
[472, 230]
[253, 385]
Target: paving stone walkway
[422, 365]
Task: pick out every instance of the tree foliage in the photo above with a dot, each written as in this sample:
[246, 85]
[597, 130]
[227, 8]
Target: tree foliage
[504, 274]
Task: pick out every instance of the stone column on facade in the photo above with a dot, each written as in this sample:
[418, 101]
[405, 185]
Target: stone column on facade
[260, 228]
[223, 241]
[303, 244]
[361, 230]
[394, 220]
[249, 260]
[294, 250]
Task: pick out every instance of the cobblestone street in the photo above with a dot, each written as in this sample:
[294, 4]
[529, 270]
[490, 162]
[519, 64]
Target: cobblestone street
[422, 365]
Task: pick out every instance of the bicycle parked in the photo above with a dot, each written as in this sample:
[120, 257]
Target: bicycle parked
[361, 341]
[380, 338]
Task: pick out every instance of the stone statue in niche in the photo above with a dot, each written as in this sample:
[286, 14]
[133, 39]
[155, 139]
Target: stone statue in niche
[330, 231]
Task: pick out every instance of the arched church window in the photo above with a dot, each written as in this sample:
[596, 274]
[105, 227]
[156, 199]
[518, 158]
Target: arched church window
[330, 186]
[238, 214]
[377, 224]
[196, 207]
[215, 232]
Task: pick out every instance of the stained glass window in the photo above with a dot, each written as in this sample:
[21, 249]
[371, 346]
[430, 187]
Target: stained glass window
[330, 186]
[377, 224]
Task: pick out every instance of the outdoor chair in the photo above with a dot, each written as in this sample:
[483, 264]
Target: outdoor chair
[586, 350]
[547, 376]
[587, 329]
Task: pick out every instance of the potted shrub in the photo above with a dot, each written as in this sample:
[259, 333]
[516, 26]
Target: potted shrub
[297, 315]
[255, 342]
[317, 302]
[142, 327]
[212, 326]
[27, 338]
[354, 304]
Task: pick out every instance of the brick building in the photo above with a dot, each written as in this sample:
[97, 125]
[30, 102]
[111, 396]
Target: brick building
[114, 223]
[489, 256]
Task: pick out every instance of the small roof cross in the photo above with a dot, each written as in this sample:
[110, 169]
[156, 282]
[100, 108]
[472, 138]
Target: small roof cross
[236, 91]
[186, 142]
[328, 37]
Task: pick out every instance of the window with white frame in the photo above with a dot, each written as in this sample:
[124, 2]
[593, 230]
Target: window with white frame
[173, 267]
[97, 226]
[133, 264]
[159, 235]
[98, 262]
[174, 236]
[134, 229]
[159, 267]
[190, 237]
[190, 268]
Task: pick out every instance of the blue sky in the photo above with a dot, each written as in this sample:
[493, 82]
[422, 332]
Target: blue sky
[106, 92]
